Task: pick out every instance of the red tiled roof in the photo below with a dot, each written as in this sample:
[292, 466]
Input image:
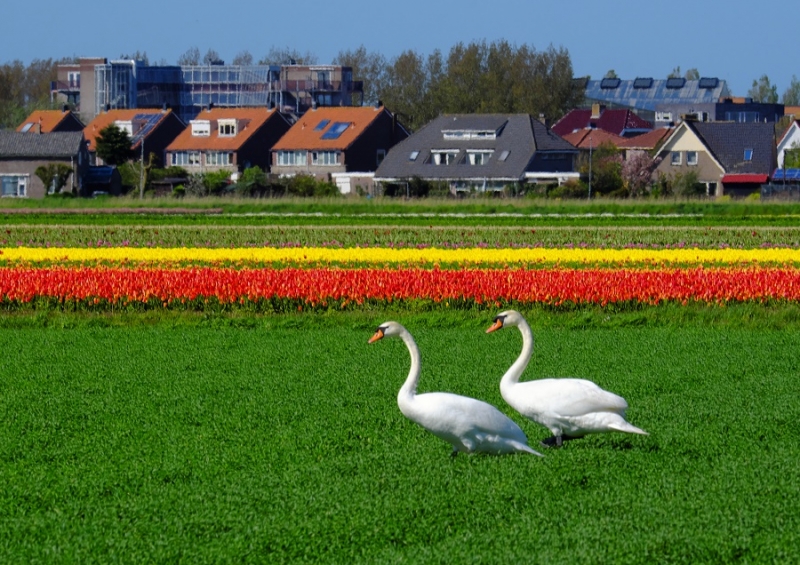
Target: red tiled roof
[105, 119]
[306, 133]
[588, 137]
[48, 119]
[745, 178]
[248, 121]
[646, 141]
[615, 121]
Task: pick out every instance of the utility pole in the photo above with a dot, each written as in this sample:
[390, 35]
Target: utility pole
[141, 173]
[590, 166]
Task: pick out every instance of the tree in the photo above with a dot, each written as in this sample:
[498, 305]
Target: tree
[137, 56]
[54, 175]
[791, 97]
[369, 67]
[243, 58]
[637, 172]
[763, 91]
[285, 55]
[253, 180]
[676, 72]
[606, 169]
[611, 73]
[211, 57]
[190, 57]
[113, 145]
[692, 74]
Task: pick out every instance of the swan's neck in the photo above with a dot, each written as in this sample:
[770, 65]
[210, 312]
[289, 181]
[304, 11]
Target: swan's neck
[515, 371]
[409, 388]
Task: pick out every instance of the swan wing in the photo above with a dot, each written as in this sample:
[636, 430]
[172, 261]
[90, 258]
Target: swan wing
[566, 397]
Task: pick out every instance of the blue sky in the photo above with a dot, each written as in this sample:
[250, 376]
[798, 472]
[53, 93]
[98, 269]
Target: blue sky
[735, 40]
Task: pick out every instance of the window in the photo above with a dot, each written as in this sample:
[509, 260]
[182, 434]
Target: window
[125, 126]
[503, 156]
[335, 130]
[469, 134]
[201, 128]
[413, 156]
[380, 156]
[675, 158]
[227, 128]
[74, 78]
[14, 186]
[748, 154]
[445, 157]
[186, 158]
[324, 157]
[479, 157]
[289, 158]
[321, 125]
[219, 158]
[691, 157]
[663, 116]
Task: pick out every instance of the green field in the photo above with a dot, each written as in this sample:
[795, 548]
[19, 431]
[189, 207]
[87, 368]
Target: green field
[282, 442]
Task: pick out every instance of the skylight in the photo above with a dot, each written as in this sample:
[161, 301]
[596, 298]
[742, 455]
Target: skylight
[748, 154]
[321, 125]
[503, 156]
[676, 82]
[335, 130]
[413, 156]
[609, 83]
[27, 127]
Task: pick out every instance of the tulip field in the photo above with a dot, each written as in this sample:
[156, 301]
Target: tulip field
[203, 392]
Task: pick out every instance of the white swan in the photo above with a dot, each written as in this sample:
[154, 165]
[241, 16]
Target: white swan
[569, 408]
[469, 425]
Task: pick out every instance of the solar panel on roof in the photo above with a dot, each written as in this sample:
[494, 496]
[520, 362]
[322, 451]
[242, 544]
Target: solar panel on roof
[675, 82]
[708, 82]
[609, 83]
[643, 83]
[335, 130]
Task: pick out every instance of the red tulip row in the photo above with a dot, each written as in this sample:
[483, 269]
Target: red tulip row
[314, 287]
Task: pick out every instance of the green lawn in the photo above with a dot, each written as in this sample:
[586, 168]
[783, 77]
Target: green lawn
[279, 444]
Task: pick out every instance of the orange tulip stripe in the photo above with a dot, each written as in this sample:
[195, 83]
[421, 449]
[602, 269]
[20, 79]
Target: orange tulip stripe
[324, 287]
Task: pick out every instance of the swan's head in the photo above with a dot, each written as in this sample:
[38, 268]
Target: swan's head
[505, 319]
[387, 329]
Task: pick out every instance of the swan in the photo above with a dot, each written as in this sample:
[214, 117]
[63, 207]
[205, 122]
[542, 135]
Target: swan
[469, 425]
[569, 408]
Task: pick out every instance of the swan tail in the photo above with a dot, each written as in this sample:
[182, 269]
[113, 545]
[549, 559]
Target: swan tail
[627, 428]
[524, 448]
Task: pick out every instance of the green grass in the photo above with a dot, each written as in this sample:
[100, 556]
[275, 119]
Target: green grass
[282, 442]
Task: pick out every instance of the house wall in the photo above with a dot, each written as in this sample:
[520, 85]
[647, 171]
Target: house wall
[162, 135]
[791, 140]
[35, 187]
[383, 133]
[257, 150]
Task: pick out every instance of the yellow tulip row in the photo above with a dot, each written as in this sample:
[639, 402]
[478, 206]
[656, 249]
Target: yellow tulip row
[374, 255]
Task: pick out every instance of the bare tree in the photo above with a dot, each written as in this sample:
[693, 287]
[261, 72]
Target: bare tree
[285, 55]
[190, 57]
[211, 57]
[137, 56]
[243, 58]
[369, 67]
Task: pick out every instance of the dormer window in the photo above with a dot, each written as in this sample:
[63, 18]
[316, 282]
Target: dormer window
[201, 128]
[125, 125]
[469, 134]
[227, 128]
[478, 157]
[443, 157]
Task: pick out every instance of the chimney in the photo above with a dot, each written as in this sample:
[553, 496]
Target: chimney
[596, 109]
[543, 119]
[39, 126]
[65, 108]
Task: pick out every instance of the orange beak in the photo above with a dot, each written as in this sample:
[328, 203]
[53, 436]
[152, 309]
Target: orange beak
[494, 327]
[378, 335]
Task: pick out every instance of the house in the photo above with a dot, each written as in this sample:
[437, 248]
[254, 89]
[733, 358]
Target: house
[645, 143]
[730, 158]
[789, 142]
[231, 139]
[590, 138]
[49, 121]
[151, 131]
[22, 153]
[647, 96]
[621, 122]
[481, 153]
[340, 144]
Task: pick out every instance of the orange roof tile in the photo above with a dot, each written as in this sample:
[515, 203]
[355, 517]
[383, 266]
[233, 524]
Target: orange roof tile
[48, 119]
[310, 128]
[248, 121]
[105, 119]
[648, 141]
[791, 111]
[583, 140]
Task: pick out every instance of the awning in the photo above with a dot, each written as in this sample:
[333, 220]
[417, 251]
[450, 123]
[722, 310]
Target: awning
[745, 178]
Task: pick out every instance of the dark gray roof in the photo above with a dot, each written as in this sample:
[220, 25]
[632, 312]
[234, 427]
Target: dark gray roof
[518, 134]
[42, 145]
[727, 141]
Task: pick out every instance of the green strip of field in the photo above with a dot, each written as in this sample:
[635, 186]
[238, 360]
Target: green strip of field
[278, 444]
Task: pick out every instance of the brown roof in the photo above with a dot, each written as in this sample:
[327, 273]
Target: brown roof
[647, 141]
[105, 119]
[248, 121]
[48, 119]
[310, 130]
[791, 111]
[582, 140]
